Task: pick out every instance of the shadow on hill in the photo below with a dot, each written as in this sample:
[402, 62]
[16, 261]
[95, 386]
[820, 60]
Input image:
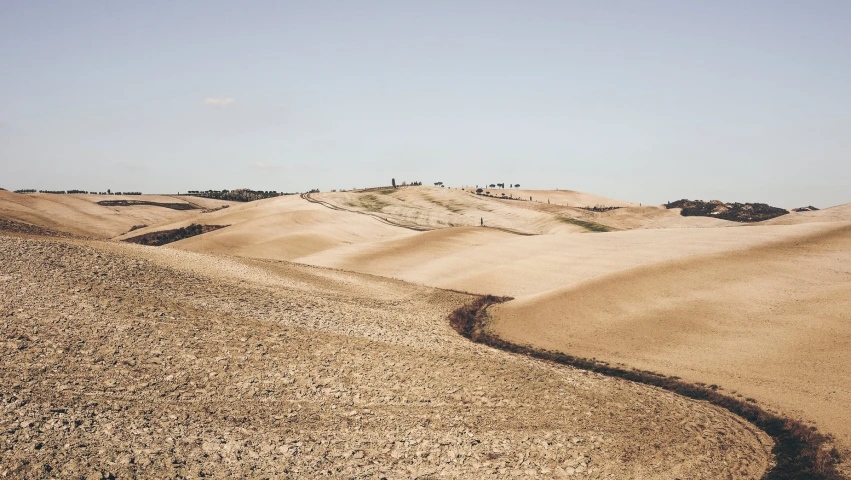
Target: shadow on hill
[133, 203]
[590, 226]
[164, 237]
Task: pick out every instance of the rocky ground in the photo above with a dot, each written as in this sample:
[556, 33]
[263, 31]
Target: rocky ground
[11, 226]
[127, 361]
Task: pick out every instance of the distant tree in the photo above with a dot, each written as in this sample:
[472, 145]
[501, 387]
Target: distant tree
[479, 191]
[108, 191]
[517, 185]
[393, 181]
[492, 186]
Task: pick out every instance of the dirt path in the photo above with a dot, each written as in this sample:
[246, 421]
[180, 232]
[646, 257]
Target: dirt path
[154, 362]
[409, 226]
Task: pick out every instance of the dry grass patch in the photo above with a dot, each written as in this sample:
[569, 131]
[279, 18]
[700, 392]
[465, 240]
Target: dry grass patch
[164, 237]
[373, 203]
[590, 226]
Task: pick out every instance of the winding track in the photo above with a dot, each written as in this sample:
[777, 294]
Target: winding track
[381, 219]
[409, 226]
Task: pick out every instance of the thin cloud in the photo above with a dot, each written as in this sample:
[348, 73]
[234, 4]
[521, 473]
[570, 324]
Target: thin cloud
[218, 102]
[264, 166]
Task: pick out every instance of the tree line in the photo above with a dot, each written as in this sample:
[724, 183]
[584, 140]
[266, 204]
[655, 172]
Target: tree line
[238, 195]
[73, 192]
[502, 185]
[406, 184]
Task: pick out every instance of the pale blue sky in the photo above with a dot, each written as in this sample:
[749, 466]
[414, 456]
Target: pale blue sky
[641, 100]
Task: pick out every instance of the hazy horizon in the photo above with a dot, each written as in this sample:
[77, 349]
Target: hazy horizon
[644, 102]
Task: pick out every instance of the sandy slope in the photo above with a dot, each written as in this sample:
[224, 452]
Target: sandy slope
[159, 363]
[560, 197]
[565, 197]
[81, 215]
[485, 260]
[837, 213]
[281, 228]
[771, 322]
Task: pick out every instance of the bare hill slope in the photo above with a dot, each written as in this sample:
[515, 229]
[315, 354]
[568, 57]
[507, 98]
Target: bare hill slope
[770, 321]
[221, 367]
[281, 228]
[81, 214]
[838, 213]
[435, 207]
[484, 260]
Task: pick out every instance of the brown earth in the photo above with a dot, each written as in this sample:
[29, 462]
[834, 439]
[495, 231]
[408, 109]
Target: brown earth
[11, 226]
[149, 362]
[753, 308]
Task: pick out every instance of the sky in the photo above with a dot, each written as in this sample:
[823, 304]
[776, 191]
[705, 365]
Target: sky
[647, 101]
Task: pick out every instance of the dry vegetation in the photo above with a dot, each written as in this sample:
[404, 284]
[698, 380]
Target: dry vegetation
[736, 212]
[164, 237]
[587, 225]
[131, 203]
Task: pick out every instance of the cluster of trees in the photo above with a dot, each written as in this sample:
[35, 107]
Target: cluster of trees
[405, 184]
[737, 212]
[481, 191]
[502, 185]
[238, 195]
[107, 192]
